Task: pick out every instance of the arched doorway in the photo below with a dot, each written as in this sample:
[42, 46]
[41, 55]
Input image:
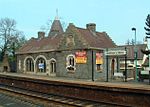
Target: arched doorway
[41, 65]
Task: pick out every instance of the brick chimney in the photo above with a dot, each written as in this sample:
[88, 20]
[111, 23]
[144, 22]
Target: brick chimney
[41, 35]
[91, 27]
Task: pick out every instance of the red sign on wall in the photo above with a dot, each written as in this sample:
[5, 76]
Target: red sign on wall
[99, 58]
[81, 57]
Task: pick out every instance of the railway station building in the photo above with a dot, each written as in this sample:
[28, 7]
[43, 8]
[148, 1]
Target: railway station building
[74, 53]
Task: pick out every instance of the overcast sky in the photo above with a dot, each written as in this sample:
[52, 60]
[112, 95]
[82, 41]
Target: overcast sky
[116, 17]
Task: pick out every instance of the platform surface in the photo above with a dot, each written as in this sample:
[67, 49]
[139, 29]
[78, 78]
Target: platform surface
[131, 84]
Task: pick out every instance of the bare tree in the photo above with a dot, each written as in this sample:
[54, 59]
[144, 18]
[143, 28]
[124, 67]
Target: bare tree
[130, 42]
[127, 42]
[45, 28]
[9, 35]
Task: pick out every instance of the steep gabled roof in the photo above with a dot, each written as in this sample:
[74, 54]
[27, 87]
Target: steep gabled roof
[85, 38]
[96, 39]
[80, 39]
[56, 28]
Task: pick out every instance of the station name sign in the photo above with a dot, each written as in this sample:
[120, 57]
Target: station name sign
[115, 52]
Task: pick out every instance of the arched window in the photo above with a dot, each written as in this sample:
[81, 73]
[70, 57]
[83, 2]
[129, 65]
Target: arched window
[29, 65]
[41, 65]
[70, 63]
[53, 66]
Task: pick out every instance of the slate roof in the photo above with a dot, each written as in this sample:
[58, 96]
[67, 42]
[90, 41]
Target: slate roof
[130, 49]
[35, 45]
[97, 39]
[52, 43]
[56, 28]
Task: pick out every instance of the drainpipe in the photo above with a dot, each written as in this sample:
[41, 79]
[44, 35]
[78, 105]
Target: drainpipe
[126, 65]
[107, 66]
[92, 66]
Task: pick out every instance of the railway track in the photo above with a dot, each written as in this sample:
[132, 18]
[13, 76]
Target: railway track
[11, 101]
[45, 100]
[75, 93]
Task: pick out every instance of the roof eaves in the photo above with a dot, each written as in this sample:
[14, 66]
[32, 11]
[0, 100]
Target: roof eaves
[41, 51]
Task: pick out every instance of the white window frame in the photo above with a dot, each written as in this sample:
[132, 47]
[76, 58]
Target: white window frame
[54, 68]
[70, 67]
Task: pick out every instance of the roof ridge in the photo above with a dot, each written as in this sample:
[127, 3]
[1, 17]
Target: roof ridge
[133, 44]
[82, 38]
[109, 38]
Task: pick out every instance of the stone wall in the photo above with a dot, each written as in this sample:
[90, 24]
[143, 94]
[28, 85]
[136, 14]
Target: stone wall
[82, 70]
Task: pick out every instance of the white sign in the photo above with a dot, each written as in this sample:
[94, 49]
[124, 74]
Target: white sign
[115, 52]
[41, 65]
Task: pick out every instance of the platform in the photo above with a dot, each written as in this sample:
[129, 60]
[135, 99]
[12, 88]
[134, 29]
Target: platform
[120, 93]
[119, 84]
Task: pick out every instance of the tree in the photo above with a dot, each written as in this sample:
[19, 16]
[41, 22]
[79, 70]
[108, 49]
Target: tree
[45, 28]
[147, 28]
[10, 37]
[128, 42]
[131, 42]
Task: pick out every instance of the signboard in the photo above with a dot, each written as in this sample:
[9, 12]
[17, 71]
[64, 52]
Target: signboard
[99, 58]
[115, 52]
[41, 65]
[81, 57]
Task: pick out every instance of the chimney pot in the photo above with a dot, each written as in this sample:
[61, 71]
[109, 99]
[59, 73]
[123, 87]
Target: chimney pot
[91, 27]
[41, 35]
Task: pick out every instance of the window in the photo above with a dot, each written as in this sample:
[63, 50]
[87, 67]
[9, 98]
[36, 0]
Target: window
[53, 66]
[29, 65]
[19, 65]
[70, 40]
[70, 63]
[99, 67]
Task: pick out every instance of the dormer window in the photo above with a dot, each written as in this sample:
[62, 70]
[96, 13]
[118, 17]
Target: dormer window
[70, 41]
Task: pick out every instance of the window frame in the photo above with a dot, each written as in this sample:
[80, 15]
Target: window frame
[53, 65]
[70, 63]
[29, 65]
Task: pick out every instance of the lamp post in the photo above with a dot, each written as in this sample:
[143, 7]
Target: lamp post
[135, 54]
